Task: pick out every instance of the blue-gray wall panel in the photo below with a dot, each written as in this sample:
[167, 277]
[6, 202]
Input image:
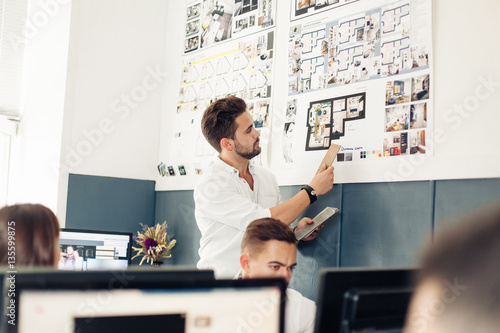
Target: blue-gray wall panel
[384, 225]
[177, 208]
[109, 204]
[378, 225]
[458, 197]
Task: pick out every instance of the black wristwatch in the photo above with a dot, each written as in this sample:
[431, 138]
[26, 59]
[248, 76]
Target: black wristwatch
[311, 193]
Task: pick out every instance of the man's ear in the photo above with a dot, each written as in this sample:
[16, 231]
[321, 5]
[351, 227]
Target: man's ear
[245, 262]
[227, 144]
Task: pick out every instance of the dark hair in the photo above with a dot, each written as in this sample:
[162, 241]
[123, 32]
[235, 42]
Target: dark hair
[218, 121]
[263, 230]
[35, 232]
[466, 253]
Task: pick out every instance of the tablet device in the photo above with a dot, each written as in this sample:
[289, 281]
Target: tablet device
[317, 221]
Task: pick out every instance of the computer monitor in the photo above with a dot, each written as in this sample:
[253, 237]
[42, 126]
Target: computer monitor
[94, 250]
[363, 300]
[135, 301]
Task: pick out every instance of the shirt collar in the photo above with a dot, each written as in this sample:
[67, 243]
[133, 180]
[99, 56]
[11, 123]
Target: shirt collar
[230, 169]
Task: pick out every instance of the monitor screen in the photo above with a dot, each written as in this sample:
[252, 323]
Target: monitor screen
[363, 300]
[93, 250]
[136, 302]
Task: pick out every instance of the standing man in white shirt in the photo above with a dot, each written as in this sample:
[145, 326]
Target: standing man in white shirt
[233, 192]
[269, 250]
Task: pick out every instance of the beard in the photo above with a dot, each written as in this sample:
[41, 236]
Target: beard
[247, 153]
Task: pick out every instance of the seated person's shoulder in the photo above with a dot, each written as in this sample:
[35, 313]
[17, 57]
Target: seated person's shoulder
[296, 297]
[301, 312]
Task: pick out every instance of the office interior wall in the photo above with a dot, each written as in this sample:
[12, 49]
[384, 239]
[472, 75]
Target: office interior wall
[467, 150]
[177, 208]
[110, 204]
[466, 90]
[378, 224]
[35, 151]
[115, 82]
[384, 224]
[175, 22]
[456, 198]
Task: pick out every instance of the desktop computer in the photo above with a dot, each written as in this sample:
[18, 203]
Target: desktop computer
[93, 250]
[169, 299]
[363, 300]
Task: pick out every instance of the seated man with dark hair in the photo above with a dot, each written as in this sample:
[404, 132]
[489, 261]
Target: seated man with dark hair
[459, 283]
[269, 250]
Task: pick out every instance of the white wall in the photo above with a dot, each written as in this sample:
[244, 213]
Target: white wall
[36, 148]
[175, 22]
[95, 75]
[116, 76]
[464, 51]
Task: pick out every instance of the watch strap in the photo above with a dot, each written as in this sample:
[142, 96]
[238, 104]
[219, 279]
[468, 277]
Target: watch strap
[309, 190]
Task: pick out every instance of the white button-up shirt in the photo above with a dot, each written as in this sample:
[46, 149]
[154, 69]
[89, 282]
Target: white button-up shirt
[300, 312]
[224, 206]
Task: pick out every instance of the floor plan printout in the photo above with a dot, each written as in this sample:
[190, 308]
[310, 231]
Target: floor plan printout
[373, 44]
[303, 8]
[363, 81]
[242, 68]
[209, 22]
